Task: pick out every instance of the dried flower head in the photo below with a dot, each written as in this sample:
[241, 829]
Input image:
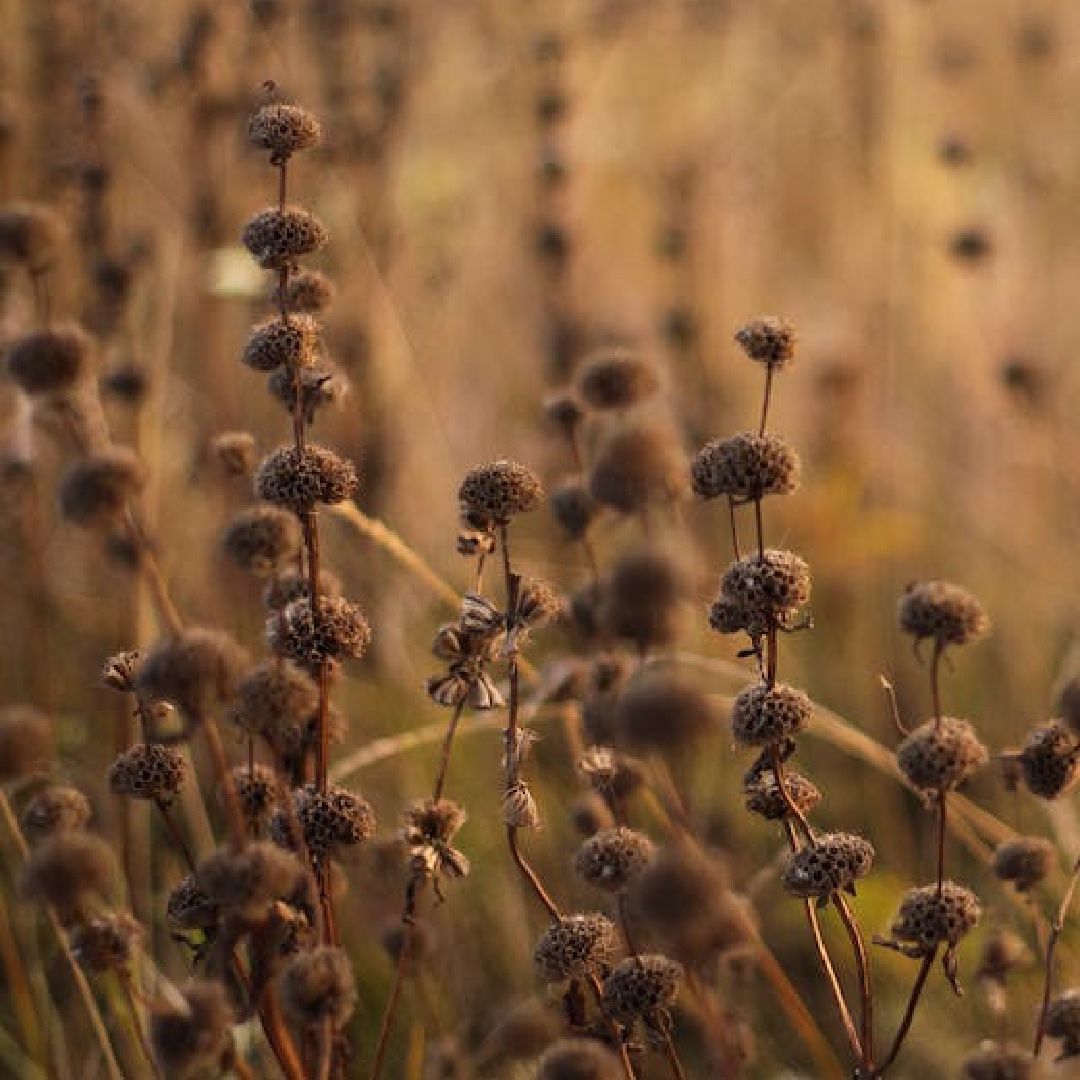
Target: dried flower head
[766, 589]
[119, 671]
[26, 742]
[260, 538]
[1025, 861]
[71, 871]
[940, 756]
[234, 451]
[429, 829]
[148, 771]
[278, 342]
[928, 918]
[310, 292]
[943, 612]
[333, 820]
[662, 711]
[277, 237]
[519, 809]
[564, 412]
[993, 1061]
[30, 234]
[762, 714]
[578, 1059]
[1063, 1022]
[745, 467]
[256, 789]
[317, 985]
[763, 795]
[611, 859]
[611, 774]
[283, 129]
[637, 464]
[576, 946]
[1002, 952]
[493, 494]
[643, 597]
[194, 1038]
[245, 883]
[273, 700]
[573, 508]
[769, 340]
[107, 943]
[834, 861]
[336, 630]
[290, 585]
[188, 906]
[616, 380]
[52, 359]
[95, 491]
[299, 482]
[1050, 760]
[642, 988]
[53, 811]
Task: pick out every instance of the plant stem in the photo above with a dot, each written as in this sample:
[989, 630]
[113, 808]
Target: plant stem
[909, 1013]
[1056, 928]
[444, 759]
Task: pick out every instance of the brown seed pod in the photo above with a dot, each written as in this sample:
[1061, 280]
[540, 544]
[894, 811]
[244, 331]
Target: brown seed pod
[493, 494]
[763, 796]
[941, 756]
[52, 359]
[616, 380]
[71, 871]
[94, 492]
[927, 919]
[761, 714]
[637, 464]
[188, 906]
[611, 859]
[298, 482]
[1050, 760]
[260, 538]
[256, 789]
[664, 712]
[745, 467]
[642, 988]
[277, 237]
[317, 986]
[834, 861]
[338, 631]
[245, 883]
[26, 742]
[576, 946]
[1024, 861]
[278, 342]
[333, 820]
[767, 588]
[310, 292]
[148, 771]
[643, 597]
[273, 700]
[53, 811]
[768, 340]
[283, 130]
[194, 1039]
[107, 943]
[943, 612]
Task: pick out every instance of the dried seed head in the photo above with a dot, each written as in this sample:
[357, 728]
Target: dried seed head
[190, 908]
[1063, 1022]
[119, 671]
[277, 237]
[538, 602]
[291, 585]
[30, 234]
[318, 388]
[310, 292]
[96, 490]
[1025, 861]
[53, 811]
[1002, 952]
[637, 464]
[768, 340]
[763, 795]
[70, 870]
[664, 712]
[273, 700]
[300, 481]
[578, 1059]
[927, 919]
[107, 943]
[573, 508]
[292, 343]
[283, 129]
[767, 588]
[996, 1062]
[196, 671]
[256, 788]
[942, 611]
[235, 452]
[337, 631]
[519, 809]
[1050, 760]
[643, 598]
[616, 380]
[761, 715]
[728, 616]
[260, 538]
[52, 359]
[832, 862]
[611, 859]
[194, 1039]
[642, 988]
[333, 820]
[244, 883]
[26, 742]
[317, 985]
[745, 467]
[611, 774]
[940, 757]
[148, 771]
[522, 1032]
[575, 947]
[493, 494]
[564, 411]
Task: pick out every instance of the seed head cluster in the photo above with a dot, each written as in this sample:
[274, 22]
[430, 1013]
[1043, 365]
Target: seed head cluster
[745, 467]
[300, 481]
[940, 756]
[494, 494]
[834, 861]
[942, 612]
[576, 946]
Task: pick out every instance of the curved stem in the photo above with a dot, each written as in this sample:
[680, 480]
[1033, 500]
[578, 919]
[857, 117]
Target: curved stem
[862, 966]
[1051, 945]
[909, 1013]
[444, 758]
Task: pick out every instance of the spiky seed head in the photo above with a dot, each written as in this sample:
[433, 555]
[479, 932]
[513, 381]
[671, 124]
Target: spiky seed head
[763, 796]
[234, 451]
[942, 612]
[578, 1059]
[573, 508]
[277, 237]
[53, 811]
[94, 492]
[189, 907]
[148, 771]
[333, 820]
[292, 343]
[768, 340]
[71, 871]
[611, 859]
[729, 616]
[772, 586]
[194, 1038]
[246, 882]
[927, 919]
[665, 712]
[1050, 760]
[31, 235]
[643, 597]
[493, 494]
[335, 630]
[638, 463]
[642, 988]
[941, 756]
[616, 380]
[310, 292]
[834, 861]
[51, 360]
[26, 742]
[261, 538]
[317, 986]
[283, 130]
[993, 1061]
[107, 943]
[745, 467]
[1025, 861]
[762, 714]
[575, 947]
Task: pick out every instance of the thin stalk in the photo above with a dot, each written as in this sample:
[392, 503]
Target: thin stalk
[18, 985]
[669, 1048]
[408, 920]
[444, 758]
[137, 1024]
[176, 835]
[1056, 928]
[935, 687]
[766, 397]
[233, 812]
[862, 967]
[734, 528]
[624, 1054]
[909, 1013]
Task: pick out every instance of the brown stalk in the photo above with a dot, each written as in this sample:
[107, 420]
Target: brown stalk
[909, 1014]
[1054, 935]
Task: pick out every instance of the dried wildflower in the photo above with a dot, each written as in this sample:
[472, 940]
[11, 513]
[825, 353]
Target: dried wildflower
[95, 491]
[196, 671]
[522, 1031]
[493, 494]
[769, 588]
[333, 820]
[1063, 1022]
[190, 908]
[637, 464]
[942, 611]
[763, 795]
[299, 482]
[642, 988]
[194, 1038]
[768, 340]
[278, 342]
[536, 604]
[616, 380]
[834, 861]
[643, 598]
[573, 508]
[256, 789]
[30, 234]
[107, 943]
[290, 585]
[339, 631]
[467, 646]
[52, 359]
[309, 292]
[272, 701]
[729, 616]
[53, 811]
[611, 774]
[578, 1059]
[277, 237]
[234, 452]
[70, 870]
[662, 711]
[1002, 952]
[148, 771]
[1050, 760]
[929, 918]
[317, 985]
[26, 742]
[245, 883]
[317, 389]
[429, 829]
[745, 467]
[761, 714]
[1025, 861]
[261, 538]
[611, 859]
[993, 1061]
[283, 129]
[940, 756]
[576, 946]
[119, 671]
[519, 810]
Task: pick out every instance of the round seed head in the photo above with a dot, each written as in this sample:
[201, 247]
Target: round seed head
[768, 340]
[745, 467]
[260, 538]
[234, 451]
[244, 883]
[277, 237]
[578, 1059]
[53, 811]
[767, 588]
[927, 920]
[317, 985]
[30, 234]
[664, 712]
[573, 509]
[616, 381]
[283, 129]
[763, 796]
[196, 1039]
[940, 757]
[1050, 760]
[1025, 861]
[611, 774]
[26, 742]
[51, 360]
[277, 342]
[310, 292]
[834, 861]
[333, 820]
[638, 464]
[728, 616]
[106, 943]
[96, 490]
[1063, 1022]
[70, 870]
[643, 598]
[642, 988]
[611, 859]
[273, 700]
[337, 630]
[761, 715]
[188, 907]
[493, 494]
[256, 788]
[148, 771]
[942, 611]
[318, 387]
[298, 482]
[1002, 952]
[575, 947]
[995, 1062]
[564, 411]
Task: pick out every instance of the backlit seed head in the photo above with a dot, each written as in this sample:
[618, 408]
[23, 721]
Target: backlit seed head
[940, 757]
[261, 538]
[318, 388]
[729, 616]
[273, 700]
[664, 712]
[575, 947]
[283, 129]
[317, 985]
[768, 340]
[611, 859]
[333, 820]
[256, 789]
[298, 482]
[189, 907]
[194, 1039]
[573, 508]
[943, 612]
[637, 464]
[52, 811]
[26, 742]
[616, 380]
[52, 359]
[834, 861]
[769, 587]
[642, 988]
[95, 491]
[338, 630]
[245, 883]
[31, 235]
[148, 771]
[996, 1062]
[761, 714]
[107, 943]
[277, 237]
[493, 494]
[643, 598]
[1025, 861]
[292, 343]
[763, 796]
[71, 871]
[926, 919]
[1050, 760]
[578, 1059]
[310, 292]
[745, 467]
